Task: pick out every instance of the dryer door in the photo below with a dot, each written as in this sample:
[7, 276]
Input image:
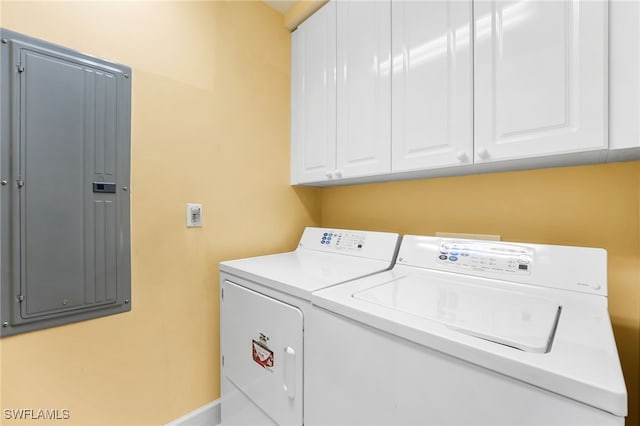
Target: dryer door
[261, 346]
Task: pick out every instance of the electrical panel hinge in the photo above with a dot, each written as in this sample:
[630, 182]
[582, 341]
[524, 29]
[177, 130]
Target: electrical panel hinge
[20, 69]
[223, 360]
[222, 294]
[20, 298]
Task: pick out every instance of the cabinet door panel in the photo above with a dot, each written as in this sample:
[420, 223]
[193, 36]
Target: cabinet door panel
[432, 84]
[313, 97]
[540, 78]
[364, 88]
[624, 81]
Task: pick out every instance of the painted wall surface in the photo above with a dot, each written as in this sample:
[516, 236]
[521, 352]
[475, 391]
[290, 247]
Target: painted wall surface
[301, 11]
[592, 206]
[210, 124]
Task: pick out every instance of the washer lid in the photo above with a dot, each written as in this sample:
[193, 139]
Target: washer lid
[506, 317]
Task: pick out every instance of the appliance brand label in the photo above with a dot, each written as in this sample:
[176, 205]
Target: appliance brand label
[262, 355]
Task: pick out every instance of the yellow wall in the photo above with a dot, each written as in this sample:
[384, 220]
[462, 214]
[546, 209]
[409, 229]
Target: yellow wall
[210, 124]
[596, 206]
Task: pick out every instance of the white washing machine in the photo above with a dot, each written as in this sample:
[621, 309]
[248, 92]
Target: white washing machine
[468, 332]
[265, 312]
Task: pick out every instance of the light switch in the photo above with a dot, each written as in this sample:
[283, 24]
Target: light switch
[194, 215]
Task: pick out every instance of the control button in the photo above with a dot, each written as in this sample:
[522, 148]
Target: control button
[454, 253]
[453, 258]
[443, 257]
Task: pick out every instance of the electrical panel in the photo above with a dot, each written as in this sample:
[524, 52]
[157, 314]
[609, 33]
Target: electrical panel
[64, 185]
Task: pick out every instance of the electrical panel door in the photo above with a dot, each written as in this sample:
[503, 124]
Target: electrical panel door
[65, 193]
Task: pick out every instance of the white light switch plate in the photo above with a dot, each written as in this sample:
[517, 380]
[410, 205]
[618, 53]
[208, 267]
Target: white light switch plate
[194, 215]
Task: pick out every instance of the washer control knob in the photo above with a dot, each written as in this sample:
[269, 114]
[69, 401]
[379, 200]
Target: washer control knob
[338, 173]
[329, 174]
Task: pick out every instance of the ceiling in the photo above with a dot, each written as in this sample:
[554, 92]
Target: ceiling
[282, 6]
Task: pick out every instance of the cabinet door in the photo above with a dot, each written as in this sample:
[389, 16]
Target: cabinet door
[432, 104]
[364, 88]
[540, 78]
[313, 97]
[624, 80]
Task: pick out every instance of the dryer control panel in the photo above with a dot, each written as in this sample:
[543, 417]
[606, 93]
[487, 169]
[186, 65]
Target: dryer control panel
[341, 240]
[487, 256]
[366, 244]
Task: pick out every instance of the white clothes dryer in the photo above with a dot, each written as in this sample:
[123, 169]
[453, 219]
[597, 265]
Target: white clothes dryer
[265, 312]
[468, 332]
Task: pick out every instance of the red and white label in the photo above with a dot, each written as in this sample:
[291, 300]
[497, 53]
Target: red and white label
[262, 355]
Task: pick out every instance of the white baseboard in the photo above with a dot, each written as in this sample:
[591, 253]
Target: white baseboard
[207, 415]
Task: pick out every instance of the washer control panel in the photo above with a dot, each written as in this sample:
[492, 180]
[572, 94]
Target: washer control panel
[486, 256]
[342, 240]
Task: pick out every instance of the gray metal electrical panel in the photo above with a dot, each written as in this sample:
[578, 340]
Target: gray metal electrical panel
[65, 121]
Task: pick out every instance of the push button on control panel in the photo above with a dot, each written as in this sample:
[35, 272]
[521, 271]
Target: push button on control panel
[326, 238]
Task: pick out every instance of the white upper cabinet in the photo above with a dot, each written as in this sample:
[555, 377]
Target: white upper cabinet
[624, 80]
[540, 78]
[432, 100]
[313, 97]
[363, 88]
[406, 89]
